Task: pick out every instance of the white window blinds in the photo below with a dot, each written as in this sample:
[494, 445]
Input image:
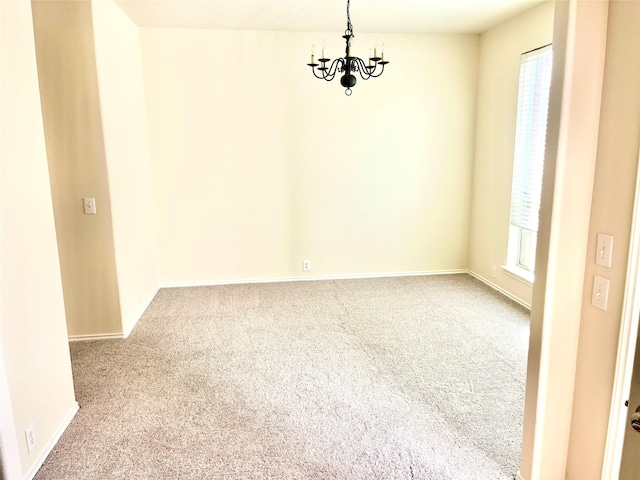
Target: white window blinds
[531, 128]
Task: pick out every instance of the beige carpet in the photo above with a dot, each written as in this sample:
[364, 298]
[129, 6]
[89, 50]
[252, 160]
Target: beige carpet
[396, 378]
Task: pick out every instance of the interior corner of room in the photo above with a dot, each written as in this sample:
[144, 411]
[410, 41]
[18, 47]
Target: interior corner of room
[202, 176]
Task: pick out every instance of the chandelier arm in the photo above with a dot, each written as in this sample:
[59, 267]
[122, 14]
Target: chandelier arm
[328, 74]
[321, 77]
[362, 69]
[374, 74]
[333, 69]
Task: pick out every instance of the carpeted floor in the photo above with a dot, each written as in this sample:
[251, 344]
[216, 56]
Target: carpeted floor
[392, 378]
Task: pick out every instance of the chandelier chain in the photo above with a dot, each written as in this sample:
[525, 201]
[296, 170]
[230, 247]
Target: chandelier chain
[349, 26]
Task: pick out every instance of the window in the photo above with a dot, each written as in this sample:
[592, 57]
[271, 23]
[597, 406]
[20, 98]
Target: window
[531, 129]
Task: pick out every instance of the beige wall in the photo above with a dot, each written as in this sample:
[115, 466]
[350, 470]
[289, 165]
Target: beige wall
[611, 212]
[126, 144]
[77, 164]
[97, 144]
[500, 50]
[257, 165]
[36, 381]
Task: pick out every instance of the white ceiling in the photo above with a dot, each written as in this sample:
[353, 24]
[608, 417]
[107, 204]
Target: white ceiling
[397, 16]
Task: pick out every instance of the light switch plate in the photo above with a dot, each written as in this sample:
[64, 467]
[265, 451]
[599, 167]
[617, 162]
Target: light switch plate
[600, 294]
[89, 206]
[604, 250]
[30, 436]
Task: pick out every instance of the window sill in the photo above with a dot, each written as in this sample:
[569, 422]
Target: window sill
[519, 273]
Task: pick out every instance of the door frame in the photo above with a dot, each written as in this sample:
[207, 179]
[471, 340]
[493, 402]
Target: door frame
[627, 339]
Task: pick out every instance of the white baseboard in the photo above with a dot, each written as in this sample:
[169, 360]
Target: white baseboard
[348, 277]
[116, 336]
[309, 279]
[120, 336]
[127, 332]
[499, 289]
[52, 442]
[100, 336]
[519, 476]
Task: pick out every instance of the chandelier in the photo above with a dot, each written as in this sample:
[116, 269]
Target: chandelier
[348, 65]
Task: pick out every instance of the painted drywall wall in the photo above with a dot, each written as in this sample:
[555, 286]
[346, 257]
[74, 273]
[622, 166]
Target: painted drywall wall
[97, 143]
[126, 144]
[579, 41]
[499, 70]
[10, 464]
[77, 165]
[33, 336]
[257, 165]
[611, 212]
[9, 453]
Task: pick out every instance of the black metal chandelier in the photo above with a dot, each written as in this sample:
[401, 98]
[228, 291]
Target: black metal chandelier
[348, 65]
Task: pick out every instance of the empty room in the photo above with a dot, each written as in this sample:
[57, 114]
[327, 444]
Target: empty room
[315, 240]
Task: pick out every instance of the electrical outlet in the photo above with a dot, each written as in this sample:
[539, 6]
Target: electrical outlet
[30, 437]
[306, 265]
[493, 272]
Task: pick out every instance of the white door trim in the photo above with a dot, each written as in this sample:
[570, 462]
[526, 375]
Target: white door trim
[626, 349]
